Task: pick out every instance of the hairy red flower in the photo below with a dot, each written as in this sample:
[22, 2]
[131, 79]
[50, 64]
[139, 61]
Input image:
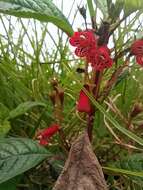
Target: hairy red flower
[137, 48]
[86, 46]
[83, 41]
[47, 133]
[139, 59]
[100, 58]
[83, 104]
[82, 38]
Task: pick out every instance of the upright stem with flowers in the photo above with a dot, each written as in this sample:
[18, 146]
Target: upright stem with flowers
[92, 46]
[50, 112]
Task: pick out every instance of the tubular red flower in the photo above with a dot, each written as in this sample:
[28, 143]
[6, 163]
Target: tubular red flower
[43, 142]
[83, 104]
[139, 59]
[84, 41]
[137, 50]
[100, 58]
[86, 46]
[137, 47]
[45, 135]
[81, 51]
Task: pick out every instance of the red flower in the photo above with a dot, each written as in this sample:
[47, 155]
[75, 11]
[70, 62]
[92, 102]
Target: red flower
[83, 104]
[84, 41]
[47, 133]
[100, 58]
[137, 48]
[43, 142]
[86, 46]
[139, 59]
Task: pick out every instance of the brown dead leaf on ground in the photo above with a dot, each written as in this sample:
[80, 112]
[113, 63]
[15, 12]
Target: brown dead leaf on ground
[82, 170]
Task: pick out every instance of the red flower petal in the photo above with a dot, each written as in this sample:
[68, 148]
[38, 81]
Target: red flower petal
[139, 60]
[84, 41]
[43, 142]
[83, 38]
[104, 50]
[137, 47]
[81, 52]
[100, 58]
[50, 131]
[84, 104]
[75, 40]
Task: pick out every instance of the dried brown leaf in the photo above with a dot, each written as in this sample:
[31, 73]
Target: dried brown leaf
[82, 170]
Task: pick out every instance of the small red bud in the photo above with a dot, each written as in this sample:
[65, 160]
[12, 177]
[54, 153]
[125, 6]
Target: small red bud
[45, 135]
[84, 104]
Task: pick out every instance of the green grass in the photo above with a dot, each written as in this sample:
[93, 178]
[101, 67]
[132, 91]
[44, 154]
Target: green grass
[26, 75]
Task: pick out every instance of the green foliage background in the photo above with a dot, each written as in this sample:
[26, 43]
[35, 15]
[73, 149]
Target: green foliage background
[25, 85]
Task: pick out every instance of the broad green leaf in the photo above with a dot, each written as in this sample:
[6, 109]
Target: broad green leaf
[43, 10]
[23, 108]
[131, 165]
[133, 162]
[10, 184]
[114, 122]
[102, 5]
[4, 128]
[18, 155]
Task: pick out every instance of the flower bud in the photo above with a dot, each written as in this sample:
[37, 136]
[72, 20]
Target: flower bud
[137, 108]
[53, 97]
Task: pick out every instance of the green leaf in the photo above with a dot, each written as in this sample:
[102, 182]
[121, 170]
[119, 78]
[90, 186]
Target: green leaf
[122, 77]
[114, 122]
[131, 6]
[91, 8]
[4, 112]
[18, 155]
[124, 171]
[43, 10]
[102, 5]
[133, 162]
[23, 108]
[10, 184]
[4, 128]
[131, 165]
[114, 10]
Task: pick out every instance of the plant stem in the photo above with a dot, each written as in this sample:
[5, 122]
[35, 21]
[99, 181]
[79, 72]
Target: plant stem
[90, 121]
[97, 76]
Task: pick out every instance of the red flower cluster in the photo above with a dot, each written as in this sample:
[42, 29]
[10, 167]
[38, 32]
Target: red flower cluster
[83, 104]
[100, 58]
[84, 41]
[137, 50]
[45, 135]
[86, 46]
